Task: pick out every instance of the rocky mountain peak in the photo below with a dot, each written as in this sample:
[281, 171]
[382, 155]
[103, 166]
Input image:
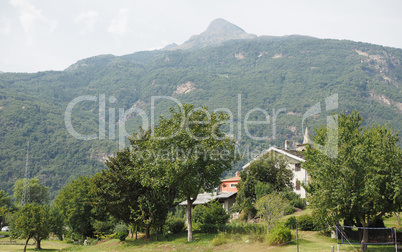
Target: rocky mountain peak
[218, 31]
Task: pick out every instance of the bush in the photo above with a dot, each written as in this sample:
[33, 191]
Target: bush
[4, 234]
[174, 224]
[291, 222]
[243, 228]
[208, 228]
[209, 218]
[289, 210]
[306, 223]
[299, 203]
[121, 227]
[279, 235]
[215, 214]
[220, 239]
[121, 235]
[198, 213]
[294, 199]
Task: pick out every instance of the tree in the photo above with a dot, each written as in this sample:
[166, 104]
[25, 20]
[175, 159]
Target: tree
[270, 208]
[364, 181]
[38, 193]
[75, 205]
[120, 192]
[31, 221]
[117, 188]
[188, 152]
[56, 222]
[5, 206]
[264, 176]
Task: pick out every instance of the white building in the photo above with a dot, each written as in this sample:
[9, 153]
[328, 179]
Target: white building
[294, 159]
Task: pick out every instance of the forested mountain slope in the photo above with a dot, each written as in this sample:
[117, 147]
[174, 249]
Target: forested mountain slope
[287, 74]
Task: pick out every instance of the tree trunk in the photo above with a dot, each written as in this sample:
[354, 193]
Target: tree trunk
[363, 246]
[38, 244]
[189, 222]
[147, 233]
[157, 233]
[136, 231]
[398, 217]
[26, 243]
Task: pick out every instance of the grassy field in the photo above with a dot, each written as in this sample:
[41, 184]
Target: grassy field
[308, 241]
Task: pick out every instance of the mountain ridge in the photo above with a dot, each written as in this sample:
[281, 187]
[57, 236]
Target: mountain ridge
[292, 73]
[218, 31]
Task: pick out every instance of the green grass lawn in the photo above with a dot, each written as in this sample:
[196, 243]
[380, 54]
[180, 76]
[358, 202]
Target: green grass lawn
[309, 241]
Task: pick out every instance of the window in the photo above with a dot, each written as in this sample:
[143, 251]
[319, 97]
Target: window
[297, 185]
[233, 185]
[297, 167]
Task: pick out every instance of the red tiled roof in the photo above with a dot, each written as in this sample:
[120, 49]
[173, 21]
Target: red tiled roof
[236, 178]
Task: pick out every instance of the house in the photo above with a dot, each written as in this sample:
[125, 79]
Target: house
[230, 184]
[228, 187]
[226, 198]
[295, 159]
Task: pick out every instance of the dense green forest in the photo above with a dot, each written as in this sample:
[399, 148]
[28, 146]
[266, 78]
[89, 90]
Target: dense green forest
[283, 77]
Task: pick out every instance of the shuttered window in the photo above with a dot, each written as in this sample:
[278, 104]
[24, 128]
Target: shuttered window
[297, 185]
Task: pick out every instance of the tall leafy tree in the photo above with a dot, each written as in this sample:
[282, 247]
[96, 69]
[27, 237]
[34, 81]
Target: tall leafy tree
[6, 205]
[187, 152]
[364, 181]
[270, 208]
[119, 189]
[264, 176]
[75, 205]
[31, 221]
[39, 193]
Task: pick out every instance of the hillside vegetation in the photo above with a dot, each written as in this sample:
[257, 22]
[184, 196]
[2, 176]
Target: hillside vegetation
[270, 73]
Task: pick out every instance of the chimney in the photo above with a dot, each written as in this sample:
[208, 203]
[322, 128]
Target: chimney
[286, 144]
[237, 174]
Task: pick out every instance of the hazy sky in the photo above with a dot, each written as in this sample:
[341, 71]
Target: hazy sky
[38, 35]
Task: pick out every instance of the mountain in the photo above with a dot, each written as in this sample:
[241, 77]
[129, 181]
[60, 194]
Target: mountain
[217, 32]
[277, 80]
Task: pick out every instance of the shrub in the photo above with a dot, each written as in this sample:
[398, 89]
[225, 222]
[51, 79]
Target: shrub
[279, 235]
[299, 203]
[291, 222]
[289, 210]
[210, 217]
[208, 228]
[4, 234]
[121, 235]
[220, 239]
[306, 223]
[174, 224]
[215, 214]
[242, 228]
[198, 213]
[120, 228]
[294, 199]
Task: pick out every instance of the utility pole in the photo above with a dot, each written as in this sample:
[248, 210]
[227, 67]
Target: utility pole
[26, 194]
[297, 238]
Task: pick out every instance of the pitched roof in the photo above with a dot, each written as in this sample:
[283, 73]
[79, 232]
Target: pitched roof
[289, 153]
[293, 152]
[235, 178]
[204, 198]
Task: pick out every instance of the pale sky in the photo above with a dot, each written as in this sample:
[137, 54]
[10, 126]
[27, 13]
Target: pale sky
[39, 35]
